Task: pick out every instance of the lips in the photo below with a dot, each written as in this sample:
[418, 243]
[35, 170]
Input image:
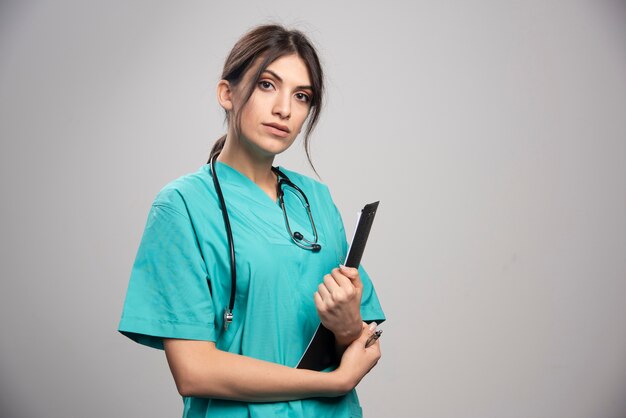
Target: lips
[278, 126]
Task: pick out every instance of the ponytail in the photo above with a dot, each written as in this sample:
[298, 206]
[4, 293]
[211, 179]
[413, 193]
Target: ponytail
[218, 146]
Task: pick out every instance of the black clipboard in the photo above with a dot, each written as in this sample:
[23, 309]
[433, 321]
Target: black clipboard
[320, 353]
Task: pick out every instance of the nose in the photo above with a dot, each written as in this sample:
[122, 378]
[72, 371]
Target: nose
[282, 106]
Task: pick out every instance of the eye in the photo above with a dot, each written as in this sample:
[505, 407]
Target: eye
[305, 98]
[265, 85]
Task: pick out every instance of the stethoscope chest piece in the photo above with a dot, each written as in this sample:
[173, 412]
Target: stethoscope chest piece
[228, 318]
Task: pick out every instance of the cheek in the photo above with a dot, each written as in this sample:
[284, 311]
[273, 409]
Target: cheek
[248, 115]
[302, 117]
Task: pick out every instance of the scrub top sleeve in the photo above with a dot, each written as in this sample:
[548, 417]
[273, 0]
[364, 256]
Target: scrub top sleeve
[168, 293]
[370, 305]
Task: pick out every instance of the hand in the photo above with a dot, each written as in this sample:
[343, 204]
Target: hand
[358, 360]
[338, 303]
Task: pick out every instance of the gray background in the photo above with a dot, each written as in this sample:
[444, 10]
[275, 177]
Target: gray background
[492, 132]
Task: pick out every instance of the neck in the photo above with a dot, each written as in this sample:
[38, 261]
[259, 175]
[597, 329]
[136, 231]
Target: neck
[257, 168]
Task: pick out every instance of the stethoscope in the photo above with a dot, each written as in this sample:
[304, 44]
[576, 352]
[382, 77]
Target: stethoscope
[296, 236]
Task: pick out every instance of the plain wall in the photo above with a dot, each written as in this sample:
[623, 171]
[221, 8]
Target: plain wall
[492, 132]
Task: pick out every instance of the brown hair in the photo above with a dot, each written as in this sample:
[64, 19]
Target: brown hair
[272, 42]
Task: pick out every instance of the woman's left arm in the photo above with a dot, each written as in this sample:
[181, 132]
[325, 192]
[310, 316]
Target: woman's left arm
[338, 303]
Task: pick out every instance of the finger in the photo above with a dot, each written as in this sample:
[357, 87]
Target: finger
[374, 346]
[365, 335]
[319, 303]
[352, 274]
[330, 283]
[324, 293]
[341, 279]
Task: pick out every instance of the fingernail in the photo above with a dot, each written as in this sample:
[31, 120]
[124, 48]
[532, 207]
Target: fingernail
[344, 268]
[373, 326]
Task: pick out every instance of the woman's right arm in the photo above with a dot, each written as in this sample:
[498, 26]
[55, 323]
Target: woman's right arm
[202, 370]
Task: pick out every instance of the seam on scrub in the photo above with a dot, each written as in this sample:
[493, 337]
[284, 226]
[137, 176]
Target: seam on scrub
[162, 321]
[171, 208]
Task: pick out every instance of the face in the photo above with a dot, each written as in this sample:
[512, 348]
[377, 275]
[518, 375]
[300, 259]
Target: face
[280, 103]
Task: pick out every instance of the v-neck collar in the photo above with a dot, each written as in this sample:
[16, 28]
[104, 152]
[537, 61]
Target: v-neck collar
[231, 176]
[235, 182]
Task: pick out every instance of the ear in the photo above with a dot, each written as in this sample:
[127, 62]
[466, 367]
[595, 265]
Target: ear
[225, 95]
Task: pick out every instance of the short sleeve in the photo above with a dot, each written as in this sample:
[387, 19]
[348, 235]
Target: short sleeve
[370, 305]
[168, 292]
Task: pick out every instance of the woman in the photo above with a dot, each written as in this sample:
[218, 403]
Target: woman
[234, 355]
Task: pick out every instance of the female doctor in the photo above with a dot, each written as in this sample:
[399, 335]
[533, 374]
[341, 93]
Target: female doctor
[235, 270]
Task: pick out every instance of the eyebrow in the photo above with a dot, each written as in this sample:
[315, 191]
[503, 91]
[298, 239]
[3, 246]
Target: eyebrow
[279, 78]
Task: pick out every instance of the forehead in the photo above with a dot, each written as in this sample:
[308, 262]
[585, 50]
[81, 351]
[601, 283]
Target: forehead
[291, 69]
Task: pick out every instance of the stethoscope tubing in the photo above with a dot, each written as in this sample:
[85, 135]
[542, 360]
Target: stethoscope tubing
[228, 314]
[310, 245]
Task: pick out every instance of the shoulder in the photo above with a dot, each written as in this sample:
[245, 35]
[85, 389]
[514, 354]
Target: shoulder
[184, 191]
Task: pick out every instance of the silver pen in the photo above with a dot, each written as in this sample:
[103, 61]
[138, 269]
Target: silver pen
[372, 339]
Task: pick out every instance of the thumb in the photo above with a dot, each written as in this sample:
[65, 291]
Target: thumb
[352, 274]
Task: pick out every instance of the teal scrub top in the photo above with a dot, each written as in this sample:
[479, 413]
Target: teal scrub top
[180, 281]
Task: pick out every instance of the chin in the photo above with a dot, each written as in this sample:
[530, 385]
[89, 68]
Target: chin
[274, 151]
[267, 146]
[276, 146]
